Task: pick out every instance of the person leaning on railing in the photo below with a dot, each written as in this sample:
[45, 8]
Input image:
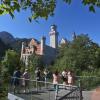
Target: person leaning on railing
[46, 72]
[38, 74]
[56, 79]
[16, 80]
[70, 78]
[64, 77]
[25, 81]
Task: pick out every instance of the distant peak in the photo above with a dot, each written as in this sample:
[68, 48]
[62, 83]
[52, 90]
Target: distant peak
[6, 37]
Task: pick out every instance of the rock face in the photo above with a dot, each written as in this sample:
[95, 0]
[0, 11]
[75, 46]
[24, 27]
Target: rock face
[6, 37]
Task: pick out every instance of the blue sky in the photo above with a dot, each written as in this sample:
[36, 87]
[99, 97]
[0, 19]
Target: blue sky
[68, 18]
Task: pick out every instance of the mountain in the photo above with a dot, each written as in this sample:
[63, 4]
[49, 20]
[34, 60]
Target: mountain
[6, 37]
[7, 41]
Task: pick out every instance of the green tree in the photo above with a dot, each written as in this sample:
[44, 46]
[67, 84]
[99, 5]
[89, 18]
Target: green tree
[34, 62]
[10, 62]
[7, 67]
[97, 58]
[39, 8]
[80, 54]
[85, 50]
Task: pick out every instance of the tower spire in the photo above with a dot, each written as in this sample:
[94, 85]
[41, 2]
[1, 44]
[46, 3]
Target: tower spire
[73, 35]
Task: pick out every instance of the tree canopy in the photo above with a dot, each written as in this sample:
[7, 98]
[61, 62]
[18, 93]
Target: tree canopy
[81, 54]
[11, 62]
[34, 62]
[39, 8]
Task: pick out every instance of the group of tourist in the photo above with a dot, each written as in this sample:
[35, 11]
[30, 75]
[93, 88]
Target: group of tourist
[65, 76]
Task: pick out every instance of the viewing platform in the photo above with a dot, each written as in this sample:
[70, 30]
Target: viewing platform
[41, 90]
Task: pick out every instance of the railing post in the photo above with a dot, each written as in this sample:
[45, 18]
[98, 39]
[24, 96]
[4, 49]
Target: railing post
[30, 89]
[80, 90]
[45, 82]
[56, 92]
[36, 86]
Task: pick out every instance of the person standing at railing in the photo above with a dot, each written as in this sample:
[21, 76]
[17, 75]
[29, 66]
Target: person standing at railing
[46, 72]
[16, 80]
[56, 79]
[38, 77]
[70, 78]
[25, 81]
[38, 74]
[64, 77]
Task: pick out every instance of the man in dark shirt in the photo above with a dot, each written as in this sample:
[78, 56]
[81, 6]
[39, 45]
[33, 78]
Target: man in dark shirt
[38, 78]
[16, 80]
[38, 74]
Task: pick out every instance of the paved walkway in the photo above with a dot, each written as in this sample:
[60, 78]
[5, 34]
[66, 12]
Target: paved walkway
[49, 94]
[42, 95]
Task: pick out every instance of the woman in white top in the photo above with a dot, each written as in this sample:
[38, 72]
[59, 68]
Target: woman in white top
[70, 78]
[55, 77]
[56, 80]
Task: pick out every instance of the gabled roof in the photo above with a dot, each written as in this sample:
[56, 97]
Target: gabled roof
[63, 41]
[34, 42]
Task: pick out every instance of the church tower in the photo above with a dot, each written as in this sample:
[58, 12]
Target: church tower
[53, 36]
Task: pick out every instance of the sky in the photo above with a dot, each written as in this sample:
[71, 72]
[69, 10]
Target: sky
[68, 18]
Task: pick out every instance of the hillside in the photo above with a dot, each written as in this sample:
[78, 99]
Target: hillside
[3, 48]
[6, 37]
[7, 41]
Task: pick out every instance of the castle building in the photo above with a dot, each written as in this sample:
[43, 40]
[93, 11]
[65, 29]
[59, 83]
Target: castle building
[48, 52]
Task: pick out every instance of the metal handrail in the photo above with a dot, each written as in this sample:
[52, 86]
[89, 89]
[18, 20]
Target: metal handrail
[50, 83]
[68, 94]
[87, 76]
[44, 82]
